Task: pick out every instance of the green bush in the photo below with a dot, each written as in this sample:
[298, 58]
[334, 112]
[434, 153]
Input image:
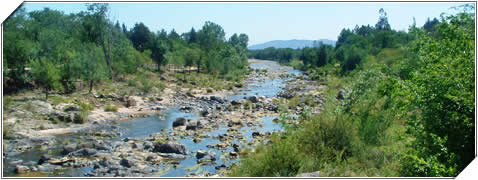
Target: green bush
[81, 117]
[146, 84]
[6, 132]
[280, 158]
[443, 90]
[111, 108]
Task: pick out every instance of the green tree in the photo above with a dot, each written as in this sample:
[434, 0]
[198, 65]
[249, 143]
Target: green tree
[211, 36]
[382, 23]
[92, 66]
[158, 51]
[98, 30]
[443, 90]
[46, 74]
[141, 37]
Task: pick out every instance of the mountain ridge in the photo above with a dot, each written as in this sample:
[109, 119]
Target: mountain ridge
[293, 43]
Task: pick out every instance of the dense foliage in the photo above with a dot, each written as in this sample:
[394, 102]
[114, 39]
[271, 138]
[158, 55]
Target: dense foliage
[53, 50]
[408, 106]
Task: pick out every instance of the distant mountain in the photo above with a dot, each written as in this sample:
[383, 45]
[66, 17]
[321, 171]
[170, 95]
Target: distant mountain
[294, 44]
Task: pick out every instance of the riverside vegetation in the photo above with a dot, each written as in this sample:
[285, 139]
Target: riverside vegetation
[380, 103]
[397, 104]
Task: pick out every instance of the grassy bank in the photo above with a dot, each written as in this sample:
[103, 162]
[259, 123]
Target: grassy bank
[355, 136]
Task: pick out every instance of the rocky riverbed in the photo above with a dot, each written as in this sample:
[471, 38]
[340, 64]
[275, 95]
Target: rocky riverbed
[176, 134]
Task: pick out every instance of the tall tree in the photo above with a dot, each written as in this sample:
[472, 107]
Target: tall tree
[46, 74]
[173, 35]
[98, 29]
[192, 36]
[382, 23]
[141, 37]
[211, 36]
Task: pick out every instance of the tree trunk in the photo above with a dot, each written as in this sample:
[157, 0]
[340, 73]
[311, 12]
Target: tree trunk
[107, 57]
[46, 94]
[159, 69]
[91, 86]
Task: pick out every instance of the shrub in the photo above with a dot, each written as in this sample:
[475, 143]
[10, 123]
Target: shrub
[111, 108]
[280, 158]
[6, 132]
[81, 117]
[132, 83]
[86, 106]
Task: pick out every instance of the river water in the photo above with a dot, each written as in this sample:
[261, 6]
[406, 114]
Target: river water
[144, 127]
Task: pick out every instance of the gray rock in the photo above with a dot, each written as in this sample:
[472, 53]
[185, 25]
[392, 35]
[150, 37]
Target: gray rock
[204, 156]
[19, 169]
[180, 121]
[67, 117]
[68, 149]
[186, 108]
[42, 107]
[234, 122]
[71, 108]
[236, 102]
[189, 94]
[217, 99]
[170, 148]
[113, 96]
[253, 99]
[85, 152]
[44, 158]
[173, 156]
[255, 134]
[127, 163]
[193, 125]
[147, 145]
[152, 157]
[137, 146]
[204, 113]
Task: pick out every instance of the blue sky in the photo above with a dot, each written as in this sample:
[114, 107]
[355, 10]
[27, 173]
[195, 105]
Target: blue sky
[264, 21]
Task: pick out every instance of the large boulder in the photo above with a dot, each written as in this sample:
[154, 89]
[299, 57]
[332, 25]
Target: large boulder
[21, 169]
[236, 102]
[42, 107]
[85, 152]
[180, 121]
[170, 148]
[193, 125]
[204, 156]
[217, 99]
[68, 149]
[253, 99]
[127, 163]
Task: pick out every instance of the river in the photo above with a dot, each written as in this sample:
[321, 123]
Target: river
[267, 86]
